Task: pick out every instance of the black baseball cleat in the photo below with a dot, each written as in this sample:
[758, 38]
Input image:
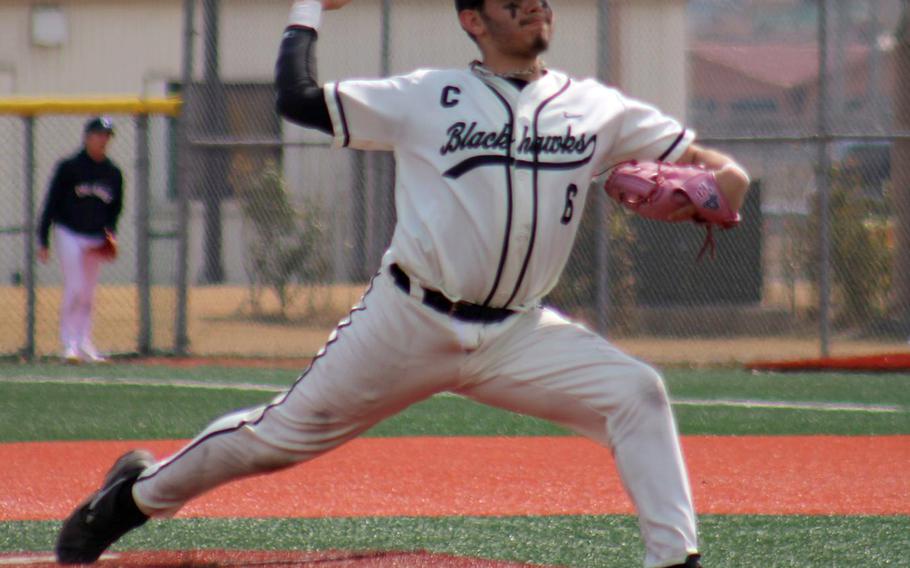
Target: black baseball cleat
[106, 515]
[692, 561]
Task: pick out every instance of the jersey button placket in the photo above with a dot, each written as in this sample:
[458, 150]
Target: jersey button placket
[522, 179]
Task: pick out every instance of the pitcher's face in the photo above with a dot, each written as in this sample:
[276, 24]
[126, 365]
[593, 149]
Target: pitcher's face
[96, 144]
[518, 28]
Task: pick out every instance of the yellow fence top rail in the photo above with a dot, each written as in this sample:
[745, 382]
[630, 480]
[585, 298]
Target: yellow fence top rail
[34, 106]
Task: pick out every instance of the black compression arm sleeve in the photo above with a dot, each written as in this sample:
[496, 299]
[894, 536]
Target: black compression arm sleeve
[300, 98]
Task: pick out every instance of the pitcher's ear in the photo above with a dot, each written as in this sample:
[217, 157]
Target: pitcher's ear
[471, 22]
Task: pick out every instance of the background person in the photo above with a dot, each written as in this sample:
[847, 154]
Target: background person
[83, 204]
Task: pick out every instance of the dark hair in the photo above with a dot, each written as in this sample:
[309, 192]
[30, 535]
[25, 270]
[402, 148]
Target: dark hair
[468, 5]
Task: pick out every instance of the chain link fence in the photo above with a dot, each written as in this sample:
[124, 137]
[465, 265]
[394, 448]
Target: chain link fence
[274, 236]
[809, 102]
[136, 291]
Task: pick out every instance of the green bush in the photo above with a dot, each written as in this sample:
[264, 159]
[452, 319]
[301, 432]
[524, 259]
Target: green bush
[285, 246]
[860, 257]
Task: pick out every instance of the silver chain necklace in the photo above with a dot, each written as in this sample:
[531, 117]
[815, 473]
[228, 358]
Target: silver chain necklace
[522, 74]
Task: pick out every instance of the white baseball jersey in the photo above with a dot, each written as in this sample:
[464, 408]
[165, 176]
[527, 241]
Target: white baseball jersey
[491, 179]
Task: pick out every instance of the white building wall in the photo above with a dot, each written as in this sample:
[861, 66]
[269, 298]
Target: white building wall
[652, 48]
[112, 47]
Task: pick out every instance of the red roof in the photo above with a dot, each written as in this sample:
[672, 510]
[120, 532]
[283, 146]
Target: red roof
[783, 65]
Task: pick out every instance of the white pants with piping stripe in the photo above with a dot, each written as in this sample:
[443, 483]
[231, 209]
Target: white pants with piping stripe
[80, 278]
[393, 351]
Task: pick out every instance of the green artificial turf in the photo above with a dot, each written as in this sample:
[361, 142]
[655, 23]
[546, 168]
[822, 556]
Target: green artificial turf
[877, 388]
[234, 374]
[571, 541]
[70, 410]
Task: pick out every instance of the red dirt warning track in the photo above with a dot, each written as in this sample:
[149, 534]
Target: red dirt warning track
[810, 475]
[881, 363]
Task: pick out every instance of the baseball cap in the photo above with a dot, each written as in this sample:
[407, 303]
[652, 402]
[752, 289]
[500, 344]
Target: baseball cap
[100, 124]
[468, 5]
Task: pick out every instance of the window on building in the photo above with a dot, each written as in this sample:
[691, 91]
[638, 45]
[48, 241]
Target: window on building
[853, 105]
[798, 98]
[242, 138]
[704, 105]
[754, 105]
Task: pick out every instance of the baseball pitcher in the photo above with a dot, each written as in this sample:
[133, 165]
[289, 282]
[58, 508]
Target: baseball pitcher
[493, 164]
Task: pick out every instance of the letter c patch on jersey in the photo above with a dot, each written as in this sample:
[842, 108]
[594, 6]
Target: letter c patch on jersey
[449, 99]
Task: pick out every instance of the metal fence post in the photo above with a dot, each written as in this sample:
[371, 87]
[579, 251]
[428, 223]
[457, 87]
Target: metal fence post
[602, 232]
[823, 181]
[900, 176]
[214, 187]
[143, 229]
[181, 338]
[382, 178]
[28, 350]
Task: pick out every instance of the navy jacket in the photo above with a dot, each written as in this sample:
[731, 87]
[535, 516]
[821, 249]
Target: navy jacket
[85, 196]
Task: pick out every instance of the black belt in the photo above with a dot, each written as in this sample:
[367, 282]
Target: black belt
[464, 311]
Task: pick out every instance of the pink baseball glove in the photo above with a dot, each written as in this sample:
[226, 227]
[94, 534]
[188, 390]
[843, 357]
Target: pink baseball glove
[656, 190]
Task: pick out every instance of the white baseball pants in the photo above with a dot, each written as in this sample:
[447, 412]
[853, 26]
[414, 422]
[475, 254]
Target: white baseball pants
[80, 278]
[394, 351]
